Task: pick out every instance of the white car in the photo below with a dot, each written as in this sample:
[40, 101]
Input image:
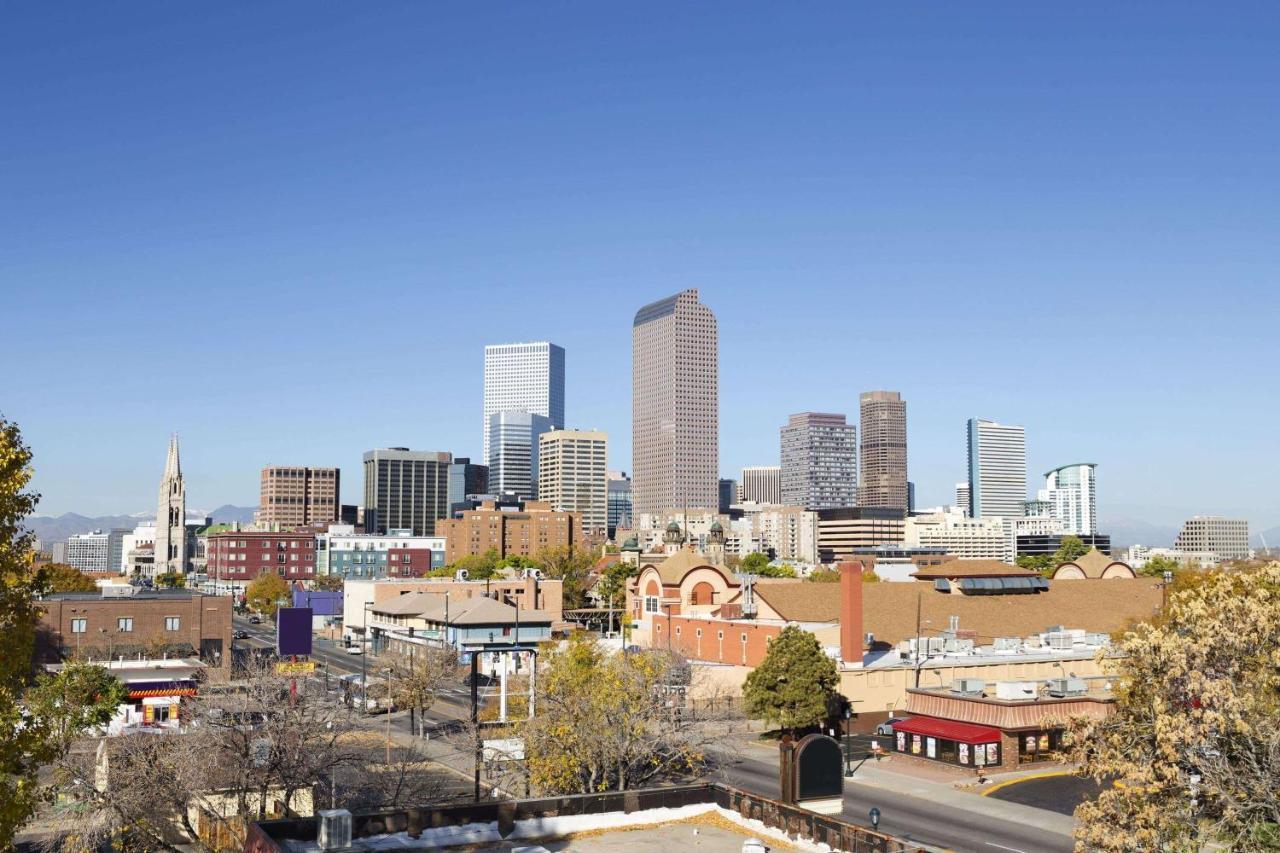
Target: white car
[355, 650]
[885, 729]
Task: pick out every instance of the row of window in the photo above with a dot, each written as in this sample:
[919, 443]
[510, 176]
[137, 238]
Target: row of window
[124, 624]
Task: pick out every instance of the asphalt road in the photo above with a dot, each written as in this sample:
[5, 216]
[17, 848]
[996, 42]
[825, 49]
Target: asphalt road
[912, 818]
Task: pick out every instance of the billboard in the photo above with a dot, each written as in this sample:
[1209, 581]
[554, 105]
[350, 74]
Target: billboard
[293, 631]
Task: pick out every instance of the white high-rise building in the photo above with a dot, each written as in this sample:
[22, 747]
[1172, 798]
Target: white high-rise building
[962, 497]
[1071, 495]
[573, 475]
[513, 452]
[526, 377]
[675, 405]
[1226, 537]
[997, 469]
[761, 484]
[987, 538]
[97, 552]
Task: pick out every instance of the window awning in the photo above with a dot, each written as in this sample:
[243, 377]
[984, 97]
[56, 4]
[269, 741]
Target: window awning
[948, 730]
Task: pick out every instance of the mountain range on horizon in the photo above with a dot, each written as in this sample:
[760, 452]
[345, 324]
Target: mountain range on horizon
[1123, 531]
[59, 528]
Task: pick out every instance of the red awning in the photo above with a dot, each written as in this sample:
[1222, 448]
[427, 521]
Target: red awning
[948, 730]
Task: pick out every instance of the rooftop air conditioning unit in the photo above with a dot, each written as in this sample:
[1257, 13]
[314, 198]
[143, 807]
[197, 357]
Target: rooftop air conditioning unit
[118, 590]
[869, 638]
[1013, 690]
[333, 829]
[461, 575]
[1062, 687]
[536, 574]
[1006, 644]
[968, 686]
[1061, 641]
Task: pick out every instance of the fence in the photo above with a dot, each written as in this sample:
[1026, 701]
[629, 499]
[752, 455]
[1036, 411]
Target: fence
[838, 834]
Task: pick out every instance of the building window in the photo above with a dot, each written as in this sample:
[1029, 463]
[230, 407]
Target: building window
[651, 604]
[124, 624]
[78, 626]
[172, 623]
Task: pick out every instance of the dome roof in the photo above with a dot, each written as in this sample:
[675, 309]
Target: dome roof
[673, 527]
[631, 544]
[716, 526]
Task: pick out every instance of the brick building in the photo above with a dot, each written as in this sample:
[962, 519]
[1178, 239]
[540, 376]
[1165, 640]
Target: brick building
[236, 557]
[522, 532]
[293, 496]
[123, 621]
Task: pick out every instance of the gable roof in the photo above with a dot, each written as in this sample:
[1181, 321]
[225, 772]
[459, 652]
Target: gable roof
[483, 610]
[410, 604]
[962, 568]
[673, 569]
[802, 601]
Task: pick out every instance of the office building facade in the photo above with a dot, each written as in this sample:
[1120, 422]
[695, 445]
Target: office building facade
[761, 484]
[819, 454]
[573, 475]
[619, 487]
[675, 408]
[513, 453]
[844, 531]
[985, 538]
[98, 552]
[727, 495]
[406, 489]
[525, 377]
[466, 478]
[1226, 537]
[883, 415]
[1070, 495]
[296, 496]
[962, 498]
[997, 469]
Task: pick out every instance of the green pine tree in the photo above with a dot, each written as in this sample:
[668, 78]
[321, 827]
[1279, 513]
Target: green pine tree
[793, 684]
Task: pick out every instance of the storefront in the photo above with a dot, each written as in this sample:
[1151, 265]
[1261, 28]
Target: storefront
[947, 742]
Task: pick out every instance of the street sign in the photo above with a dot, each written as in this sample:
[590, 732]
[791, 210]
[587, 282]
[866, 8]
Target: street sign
[295, 668]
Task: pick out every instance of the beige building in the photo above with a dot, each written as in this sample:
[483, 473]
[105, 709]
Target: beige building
[1226, 537]
[846, 531]
[761, 484]
[989, 538]
[675, 407]
[295, 496]
[884, 450]
[573, 475]
[524, 532]
[359, 595]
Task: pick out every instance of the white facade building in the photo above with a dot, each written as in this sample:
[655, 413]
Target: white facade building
[99, 551]
[1071, 493]
[513, 452]
[997, 469]
[525, 377]
[573, 474]
[988, 538]
[962, 497]
[1226, 537]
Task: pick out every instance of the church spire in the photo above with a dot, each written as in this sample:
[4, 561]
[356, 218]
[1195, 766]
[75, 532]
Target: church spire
[172, 467]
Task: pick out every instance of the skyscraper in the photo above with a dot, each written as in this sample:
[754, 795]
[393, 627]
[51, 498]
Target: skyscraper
[819, 461]
[573, 475]
[1071, 493]
[761, 484]
[884, 449]
[406, 489]
[466, 478]
[513, 452]
[675, 406]
[293, 496]
[619, 501]
[171, 516]
[525, 377]
[728, 494]
[997, 469]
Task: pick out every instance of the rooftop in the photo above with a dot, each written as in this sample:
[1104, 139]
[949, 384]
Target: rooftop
[138, 594]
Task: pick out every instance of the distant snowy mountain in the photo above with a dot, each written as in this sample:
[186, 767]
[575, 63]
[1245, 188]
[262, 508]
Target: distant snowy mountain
[52, 529]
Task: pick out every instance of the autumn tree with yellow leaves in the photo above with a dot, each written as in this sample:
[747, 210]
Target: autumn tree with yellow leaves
[1193, 748]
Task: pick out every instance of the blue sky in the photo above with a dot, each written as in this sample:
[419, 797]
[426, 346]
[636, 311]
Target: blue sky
[287, 230]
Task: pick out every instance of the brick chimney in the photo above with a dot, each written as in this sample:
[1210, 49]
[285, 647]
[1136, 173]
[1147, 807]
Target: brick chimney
[851, 613]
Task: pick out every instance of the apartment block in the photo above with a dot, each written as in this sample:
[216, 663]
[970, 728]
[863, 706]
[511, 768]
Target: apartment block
[819, 453]
[99, 552]
[524, 532]
[573, 475]
[235, 558]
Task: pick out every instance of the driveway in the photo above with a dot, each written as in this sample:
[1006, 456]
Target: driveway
[1058, 793]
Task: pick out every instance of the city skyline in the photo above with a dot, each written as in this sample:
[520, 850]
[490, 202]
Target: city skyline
[539, 209]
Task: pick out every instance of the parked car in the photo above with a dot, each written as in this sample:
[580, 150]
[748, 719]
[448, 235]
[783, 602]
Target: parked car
[886, 728]
[241, 635]
[354, 650]
[255, 619]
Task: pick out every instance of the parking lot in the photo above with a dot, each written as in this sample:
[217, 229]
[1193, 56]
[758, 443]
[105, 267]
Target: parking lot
[1058, 793]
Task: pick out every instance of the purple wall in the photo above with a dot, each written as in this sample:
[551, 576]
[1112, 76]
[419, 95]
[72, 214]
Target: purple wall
[324, 603]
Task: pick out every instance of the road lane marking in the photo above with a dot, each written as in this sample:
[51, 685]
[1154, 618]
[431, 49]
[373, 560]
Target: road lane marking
[1002, 847]
[1005, 784]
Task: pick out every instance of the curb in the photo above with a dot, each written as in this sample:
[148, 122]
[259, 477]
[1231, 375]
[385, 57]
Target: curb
[1005, 784]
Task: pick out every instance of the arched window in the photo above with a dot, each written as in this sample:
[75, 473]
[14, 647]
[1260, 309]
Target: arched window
[702, 593]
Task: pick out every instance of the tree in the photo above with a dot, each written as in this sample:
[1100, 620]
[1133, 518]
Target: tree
[63, 578]
[328, 583]
[1042, 563]
[608, 721]
[417, 679]
[265, 593]
[754, 563]
[171, 580]
[479, 567]
[793, 683]
[1157, 566]
[1070, 548]
[612, 586]
[824, 576]
[1194, 742]
[37, 721]
[570, 565]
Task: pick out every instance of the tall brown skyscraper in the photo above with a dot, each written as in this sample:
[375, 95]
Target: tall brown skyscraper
[884, 450]
[675, 405]
[294, 496]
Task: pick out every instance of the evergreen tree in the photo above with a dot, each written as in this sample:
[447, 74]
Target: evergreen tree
[793, 684]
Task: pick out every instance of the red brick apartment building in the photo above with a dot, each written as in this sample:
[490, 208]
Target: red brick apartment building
[236, 557]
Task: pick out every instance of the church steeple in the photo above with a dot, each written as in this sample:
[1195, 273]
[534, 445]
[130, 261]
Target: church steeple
[172, 466]
[171, 516]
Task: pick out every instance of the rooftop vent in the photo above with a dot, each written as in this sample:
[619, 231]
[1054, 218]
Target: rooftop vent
[118, 590]
[1063, 687]
[968, 686]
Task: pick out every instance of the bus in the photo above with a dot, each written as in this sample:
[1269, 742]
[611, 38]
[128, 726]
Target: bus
[373, 698]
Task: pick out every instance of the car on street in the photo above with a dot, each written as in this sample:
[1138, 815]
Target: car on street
[255, 620]
[886, 728]
[241, 635]
[354, 650]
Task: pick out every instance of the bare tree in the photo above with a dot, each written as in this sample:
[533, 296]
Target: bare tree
[418, 677]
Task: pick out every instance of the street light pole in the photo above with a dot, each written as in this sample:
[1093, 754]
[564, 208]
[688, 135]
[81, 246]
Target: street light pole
[364, 654]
